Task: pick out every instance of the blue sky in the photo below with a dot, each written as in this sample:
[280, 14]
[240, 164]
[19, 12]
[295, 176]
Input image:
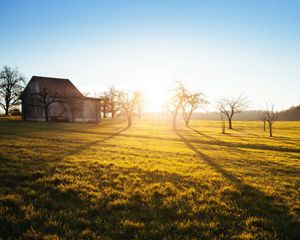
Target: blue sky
[222, 48]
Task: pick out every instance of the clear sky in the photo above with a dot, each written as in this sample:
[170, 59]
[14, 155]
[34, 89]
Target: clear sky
[222, 48]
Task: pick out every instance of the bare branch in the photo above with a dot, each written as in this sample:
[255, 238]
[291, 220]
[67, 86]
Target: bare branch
[11, 85]
[190, 103]
[230, 106]
[269, 116]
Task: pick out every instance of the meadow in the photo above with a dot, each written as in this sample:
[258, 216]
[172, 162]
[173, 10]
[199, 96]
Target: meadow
[106, 181]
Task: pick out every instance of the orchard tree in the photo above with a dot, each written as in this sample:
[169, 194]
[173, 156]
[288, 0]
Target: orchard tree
[12, 84]
[43, 100]
[270, 117]
[230, 106]
[105, 106]
[262, 117]
[128, 104]
[113, 96]
[190, 103]
[175, 103]
[97, 105]
[222, 122]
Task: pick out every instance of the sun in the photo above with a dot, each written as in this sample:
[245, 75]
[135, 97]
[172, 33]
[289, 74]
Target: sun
[154, 98]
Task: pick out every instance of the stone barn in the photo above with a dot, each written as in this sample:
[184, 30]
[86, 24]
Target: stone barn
[57, 99]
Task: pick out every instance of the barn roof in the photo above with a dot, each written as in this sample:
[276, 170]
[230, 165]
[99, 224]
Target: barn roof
[60, 86]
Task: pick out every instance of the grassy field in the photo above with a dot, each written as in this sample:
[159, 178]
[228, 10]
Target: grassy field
[86, 181]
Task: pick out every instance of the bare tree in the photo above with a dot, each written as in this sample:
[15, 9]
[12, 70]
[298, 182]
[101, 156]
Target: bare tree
[270, 117]
[230, 106]
[11, 85]
[222, 122]
[190, 103]
[263, 119]
[175, 103]
[128, 104]
[114, 95]
[43, 100]
[105, 106]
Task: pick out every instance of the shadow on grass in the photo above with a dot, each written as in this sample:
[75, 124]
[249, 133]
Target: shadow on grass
[247, 133]
[233, 148]
[244, 145]
[27, 127]
[214, 140]
[266, 135]
[20, 185]
[87, 145]
[252, 201]
[60, 207]
[42, 205]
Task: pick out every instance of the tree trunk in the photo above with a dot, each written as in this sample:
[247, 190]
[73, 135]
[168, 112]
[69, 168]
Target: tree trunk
[223, 126]
[129, 120]
[174, 122]
[112, 111]
[229, 123]
[188, 118]
[46, 114]
[6, 106]
[270, 129]
[187, 123]
[264, 126]
[24, 111]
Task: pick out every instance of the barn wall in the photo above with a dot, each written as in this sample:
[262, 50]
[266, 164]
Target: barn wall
[30, 112]
[59, 112]
[87, 109]
[90, 111]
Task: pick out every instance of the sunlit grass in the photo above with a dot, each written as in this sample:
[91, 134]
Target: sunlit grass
[106, 181]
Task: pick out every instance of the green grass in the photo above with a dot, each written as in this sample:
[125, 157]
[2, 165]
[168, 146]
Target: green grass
[86, 181]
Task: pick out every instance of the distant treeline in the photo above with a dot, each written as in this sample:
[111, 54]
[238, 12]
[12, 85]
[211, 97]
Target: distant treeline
[291, 114]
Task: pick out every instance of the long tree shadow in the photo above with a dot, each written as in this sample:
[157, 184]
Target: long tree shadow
[216, 140]
[52, 160]
[55, 203]
[245, 145]
[41, 163]
[87, 145]
[236, 148]
[25, 128]
[253, 201]
[20, 175]
[242, 131]
[273, 138]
